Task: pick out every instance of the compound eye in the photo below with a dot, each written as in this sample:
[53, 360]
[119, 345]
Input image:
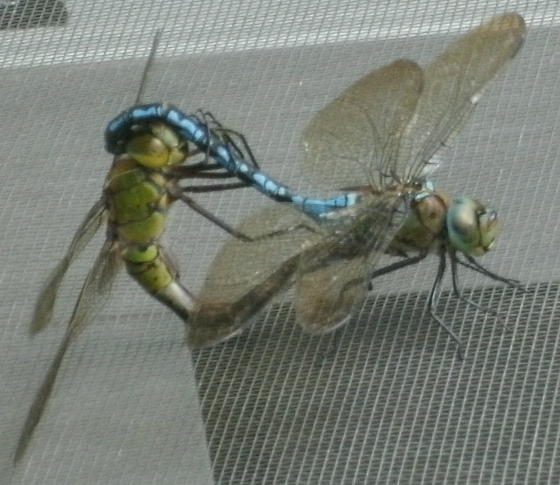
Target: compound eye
[157, 147]
[472, 228]
[148, 150]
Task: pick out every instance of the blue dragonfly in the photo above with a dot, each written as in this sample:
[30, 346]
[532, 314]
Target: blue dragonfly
[209, 138]
[229, 150]
[385, 129]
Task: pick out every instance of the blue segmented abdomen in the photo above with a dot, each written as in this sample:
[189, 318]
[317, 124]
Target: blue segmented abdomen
[193, 129]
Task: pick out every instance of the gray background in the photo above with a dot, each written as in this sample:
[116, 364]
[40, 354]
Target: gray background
[383, 400]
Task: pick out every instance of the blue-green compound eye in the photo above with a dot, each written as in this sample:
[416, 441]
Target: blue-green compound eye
[471, 227]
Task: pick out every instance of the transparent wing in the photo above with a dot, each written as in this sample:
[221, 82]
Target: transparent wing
[333, 279]
[358, 132]
[94, 292]
[326, 296]
[245, 276]
[42, 313]
[330, 264]
[453, 84]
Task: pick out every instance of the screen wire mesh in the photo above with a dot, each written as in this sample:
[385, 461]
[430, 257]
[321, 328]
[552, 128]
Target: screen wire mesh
[382, 400]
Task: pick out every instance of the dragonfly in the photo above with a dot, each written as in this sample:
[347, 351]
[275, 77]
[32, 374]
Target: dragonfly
[380, 138]
[194, 129]
[154, 148]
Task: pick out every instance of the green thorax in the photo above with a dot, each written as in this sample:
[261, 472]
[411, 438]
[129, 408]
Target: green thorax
[425, 225]
[423, 229]
[137, 200]
[137, 186]
[137, 194]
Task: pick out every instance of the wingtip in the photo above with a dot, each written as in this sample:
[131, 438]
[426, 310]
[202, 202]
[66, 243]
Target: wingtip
[18, 454]
[511, 28]
[203, 338]
[212, 325]
[509, 21]
[321, 329]
[25, 437]
[38, 323]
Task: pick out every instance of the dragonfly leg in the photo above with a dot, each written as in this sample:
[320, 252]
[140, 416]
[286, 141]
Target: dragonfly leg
[296, 227]
[211, 217]
[457, 291]
[199, 170]
[207, 149]
[214, 187]
[476, 266]
[395, 266]
[432, 303]
[196, 171]
[225, 136]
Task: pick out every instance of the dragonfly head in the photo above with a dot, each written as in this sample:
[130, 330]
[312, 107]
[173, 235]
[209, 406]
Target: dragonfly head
[472, 228]
[156, 147]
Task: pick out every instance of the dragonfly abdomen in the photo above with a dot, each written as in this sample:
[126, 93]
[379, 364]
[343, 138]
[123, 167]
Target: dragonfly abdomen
[145, 264]
[148, 265]
[138, 200]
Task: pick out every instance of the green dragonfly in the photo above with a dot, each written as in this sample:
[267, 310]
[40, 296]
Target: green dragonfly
[378, 138]
[142, 184]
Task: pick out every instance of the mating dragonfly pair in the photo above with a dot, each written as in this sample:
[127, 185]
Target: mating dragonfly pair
[379, 138]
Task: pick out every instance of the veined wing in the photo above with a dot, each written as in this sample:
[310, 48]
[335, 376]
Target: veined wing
[356, 134]
[326, 296]
[453, 84]
[245, 276]
[94, 292]
[42, 313]
[361, 127]
[333, 279]
[329, 263]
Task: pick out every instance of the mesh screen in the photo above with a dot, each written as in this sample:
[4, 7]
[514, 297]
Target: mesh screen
[382, 400]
